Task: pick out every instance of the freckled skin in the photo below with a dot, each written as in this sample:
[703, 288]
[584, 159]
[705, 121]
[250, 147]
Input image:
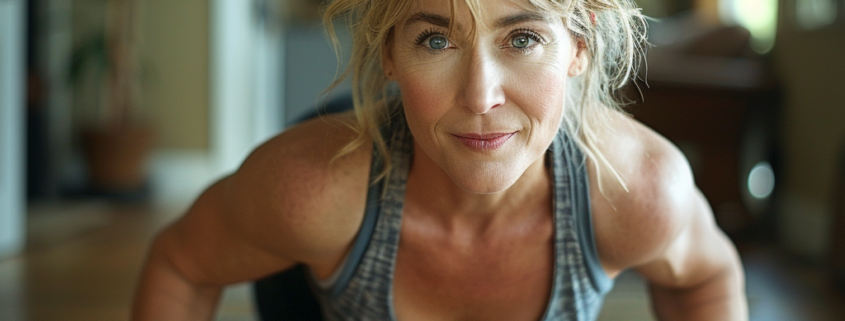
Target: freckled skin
[482, 85]
[476, 240]
[477, 229]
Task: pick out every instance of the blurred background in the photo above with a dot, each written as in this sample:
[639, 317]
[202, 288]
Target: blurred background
[115, 114]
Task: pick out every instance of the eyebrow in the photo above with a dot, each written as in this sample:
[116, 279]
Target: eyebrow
[428, 17]
[519, 18]
[442, 21]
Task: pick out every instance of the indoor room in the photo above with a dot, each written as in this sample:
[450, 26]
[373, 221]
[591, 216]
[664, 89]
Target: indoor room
[116, 115]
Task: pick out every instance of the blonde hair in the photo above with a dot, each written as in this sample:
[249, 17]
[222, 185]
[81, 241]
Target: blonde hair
[613, 32]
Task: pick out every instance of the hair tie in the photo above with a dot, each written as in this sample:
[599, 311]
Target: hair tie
[593, 17]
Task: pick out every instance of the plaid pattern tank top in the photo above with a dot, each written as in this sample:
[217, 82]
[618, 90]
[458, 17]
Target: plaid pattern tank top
[363, 289]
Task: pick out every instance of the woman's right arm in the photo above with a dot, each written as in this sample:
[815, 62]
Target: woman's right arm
[287, 204]
[190, 261]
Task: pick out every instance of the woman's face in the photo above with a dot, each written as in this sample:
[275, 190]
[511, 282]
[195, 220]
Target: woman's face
[484, 106]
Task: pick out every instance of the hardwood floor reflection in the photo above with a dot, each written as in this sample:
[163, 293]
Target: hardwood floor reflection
[83, 260]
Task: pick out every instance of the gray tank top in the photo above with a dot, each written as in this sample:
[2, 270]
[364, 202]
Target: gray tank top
[362, 288]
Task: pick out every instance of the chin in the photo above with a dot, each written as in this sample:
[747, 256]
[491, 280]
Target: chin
[486, 179]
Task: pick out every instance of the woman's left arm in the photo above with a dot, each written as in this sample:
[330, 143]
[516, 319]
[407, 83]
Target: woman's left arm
[663, 228]
[698, 276]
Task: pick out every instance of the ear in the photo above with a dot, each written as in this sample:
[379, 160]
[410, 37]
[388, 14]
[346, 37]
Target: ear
[387, 57]
[579, 62]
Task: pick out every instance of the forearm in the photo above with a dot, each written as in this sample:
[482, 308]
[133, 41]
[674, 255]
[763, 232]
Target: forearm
[164, 293]
[721, 297]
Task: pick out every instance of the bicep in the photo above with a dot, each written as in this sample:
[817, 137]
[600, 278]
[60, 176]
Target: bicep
[663, 228]
[287, 204]
[214, 242]
[698, 250]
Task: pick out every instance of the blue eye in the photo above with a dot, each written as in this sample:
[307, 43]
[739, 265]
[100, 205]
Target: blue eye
[524, 40]
[438, 42]
[521, 42]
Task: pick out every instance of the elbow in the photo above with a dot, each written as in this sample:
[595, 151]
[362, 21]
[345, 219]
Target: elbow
[168, 253]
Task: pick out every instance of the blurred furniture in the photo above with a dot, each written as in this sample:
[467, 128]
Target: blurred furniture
[717, 101]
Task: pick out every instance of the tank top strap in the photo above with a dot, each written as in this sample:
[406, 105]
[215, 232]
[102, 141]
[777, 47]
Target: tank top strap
[367, 293]
[579, 280]
[340, 278]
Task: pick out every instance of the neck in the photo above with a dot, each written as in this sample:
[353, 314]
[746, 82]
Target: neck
[432, 191]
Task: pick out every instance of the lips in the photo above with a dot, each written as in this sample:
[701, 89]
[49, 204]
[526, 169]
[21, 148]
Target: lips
[484, 142]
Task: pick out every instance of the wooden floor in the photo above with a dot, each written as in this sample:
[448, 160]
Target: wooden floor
[83, 260]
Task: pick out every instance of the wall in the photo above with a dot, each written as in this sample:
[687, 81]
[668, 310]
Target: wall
[243, 91]
[176, 59]
[175, 52]
[811, 66]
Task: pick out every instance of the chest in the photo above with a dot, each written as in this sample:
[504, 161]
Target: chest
[505, 275]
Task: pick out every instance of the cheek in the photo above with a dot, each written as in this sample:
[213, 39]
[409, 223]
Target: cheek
[541, 92]
[419, 97]
[425, 96]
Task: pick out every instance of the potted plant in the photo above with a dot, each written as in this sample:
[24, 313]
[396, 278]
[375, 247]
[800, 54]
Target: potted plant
[115, 142]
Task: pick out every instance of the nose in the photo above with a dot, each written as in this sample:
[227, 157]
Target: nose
[482, 88]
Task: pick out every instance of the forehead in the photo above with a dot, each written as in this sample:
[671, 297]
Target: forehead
[485, 13]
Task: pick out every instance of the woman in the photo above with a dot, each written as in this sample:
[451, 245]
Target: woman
[500, 183]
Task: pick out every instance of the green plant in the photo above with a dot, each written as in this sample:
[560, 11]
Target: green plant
[109, 56]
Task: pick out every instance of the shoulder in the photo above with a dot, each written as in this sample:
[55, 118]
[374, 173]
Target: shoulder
[295, 188]
[637, 226]
[288, 203]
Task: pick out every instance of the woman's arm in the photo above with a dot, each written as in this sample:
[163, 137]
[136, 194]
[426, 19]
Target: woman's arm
[191, 260]
[699, 274]
[287, 204]
[663, 228]
[165, 293]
